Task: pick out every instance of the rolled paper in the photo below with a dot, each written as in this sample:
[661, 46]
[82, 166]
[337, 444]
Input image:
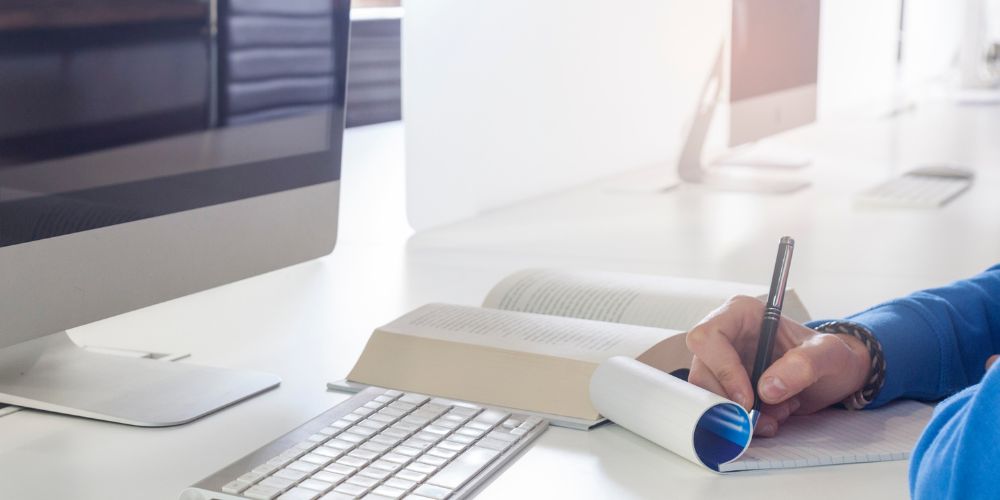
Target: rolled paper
[696, 424]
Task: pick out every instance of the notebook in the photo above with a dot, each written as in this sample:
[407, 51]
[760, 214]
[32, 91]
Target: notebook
[839, 436]
[716, 433]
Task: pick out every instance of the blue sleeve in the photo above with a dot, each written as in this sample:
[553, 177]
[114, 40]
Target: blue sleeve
[958, 455]
[936, 341]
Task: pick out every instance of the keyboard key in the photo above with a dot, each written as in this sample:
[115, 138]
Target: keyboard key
[386, 465]
[307, 467]
[351, 461]
[329, 477]
[259, 492]
[431, 460]
[402, 405]
[351, 489]
[415, 399]
[432, 491]
[421, 468]
[452, 445]
[299, 494]
[491, 417]
[494, 444]
[419, 444]
[328, 452]
[334, 495]
[392, 393]
[503, 436]
[375, 447]
[267, 468]
[471, 432]
[339, 444]
[461, 439]
[342, 423]
[441, 453]
[338, 468]
[400, 483]
[366, 482]
[290, 474]
[278, 483]
[235, 487]
[463, 468]
[388, 492]
[411, 475]
[386, 440]
[374, 473]
[396, 458]
[316, 458]
[316, 485]
[381, 417]
[365, 455]
[407, 450]
[252, 477]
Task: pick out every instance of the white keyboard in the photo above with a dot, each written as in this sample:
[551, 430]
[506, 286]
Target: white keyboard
[380, 444]
[914, 191]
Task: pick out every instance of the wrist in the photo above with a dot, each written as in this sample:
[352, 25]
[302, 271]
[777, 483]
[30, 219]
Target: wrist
[861, 361]
[875, 378]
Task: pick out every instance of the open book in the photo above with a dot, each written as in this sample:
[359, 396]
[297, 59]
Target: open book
[539, 336]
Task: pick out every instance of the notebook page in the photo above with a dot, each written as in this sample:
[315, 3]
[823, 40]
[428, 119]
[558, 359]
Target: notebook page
[648, 300]
[838, 436]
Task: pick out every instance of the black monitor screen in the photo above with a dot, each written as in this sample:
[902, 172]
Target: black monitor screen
[117, 110]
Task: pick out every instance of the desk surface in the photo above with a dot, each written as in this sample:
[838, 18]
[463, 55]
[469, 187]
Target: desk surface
[309, 322]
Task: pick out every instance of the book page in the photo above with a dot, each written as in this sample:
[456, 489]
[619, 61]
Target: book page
[647, 300]
[838, 436]
[568, 338]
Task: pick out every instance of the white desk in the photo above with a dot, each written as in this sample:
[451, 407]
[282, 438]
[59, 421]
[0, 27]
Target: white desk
[308, 323]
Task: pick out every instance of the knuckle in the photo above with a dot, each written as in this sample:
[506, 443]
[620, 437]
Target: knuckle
[727, 374]
[696, 339]
[744, 301]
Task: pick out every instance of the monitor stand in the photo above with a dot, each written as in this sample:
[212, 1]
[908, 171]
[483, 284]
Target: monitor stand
[54, 374]
[690, 167]
[763, 155]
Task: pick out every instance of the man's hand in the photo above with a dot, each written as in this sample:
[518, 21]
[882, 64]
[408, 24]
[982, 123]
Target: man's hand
[811, 370]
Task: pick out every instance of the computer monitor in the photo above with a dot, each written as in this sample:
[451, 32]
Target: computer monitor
[773, 70]
[773, 67]
[149, 150]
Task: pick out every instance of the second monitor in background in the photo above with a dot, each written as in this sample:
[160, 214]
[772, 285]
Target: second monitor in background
[774, 63]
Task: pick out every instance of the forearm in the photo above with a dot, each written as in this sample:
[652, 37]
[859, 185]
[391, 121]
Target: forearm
[936, 341]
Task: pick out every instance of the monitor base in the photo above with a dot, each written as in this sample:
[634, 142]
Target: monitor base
[763, 156]
[719, 181]
[53, 374]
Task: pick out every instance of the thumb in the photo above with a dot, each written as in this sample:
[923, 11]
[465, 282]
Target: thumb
[802, 367]
[991, 360]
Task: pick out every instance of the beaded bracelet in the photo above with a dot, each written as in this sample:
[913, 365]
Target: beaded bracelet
[876, 379]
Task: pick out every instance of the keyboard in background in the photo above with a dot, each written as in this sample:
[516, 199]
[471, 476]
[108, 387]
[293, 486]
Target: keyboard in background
[377, 445]
[913, 190]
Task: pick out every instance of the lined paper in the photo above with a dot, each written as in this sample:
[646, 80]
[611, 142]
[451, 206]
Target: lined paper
[838, 436]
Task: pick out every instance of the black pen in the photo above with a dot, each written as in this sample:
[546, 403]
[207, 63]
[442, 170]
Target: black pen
[772, 315]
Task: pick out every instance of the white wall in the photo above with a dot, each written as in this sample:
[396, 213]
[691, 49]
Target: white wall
[509, 99]
[504, 100]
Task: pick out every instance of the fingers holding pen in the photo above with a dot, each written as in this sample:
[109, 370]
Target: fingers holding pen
[714, 342]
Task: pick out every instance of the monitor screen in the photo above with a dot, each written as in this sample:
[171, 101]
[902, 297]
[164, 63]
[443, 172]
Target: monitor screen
[774, 46]
[113, 111]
